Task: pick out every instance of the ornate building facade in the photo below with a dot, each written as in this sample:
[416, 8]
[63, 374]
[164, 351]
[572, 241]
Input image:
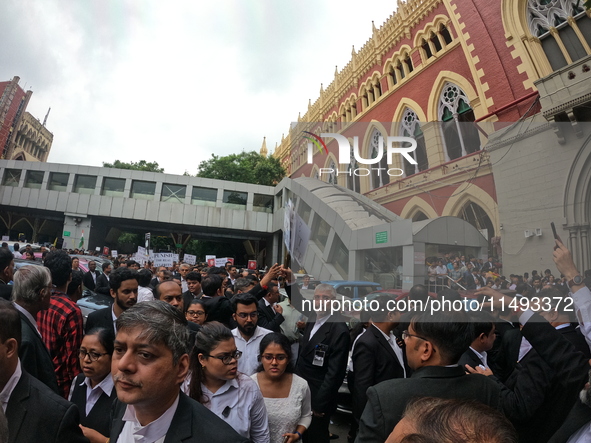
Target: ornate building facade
[454, 75]
[22, 136]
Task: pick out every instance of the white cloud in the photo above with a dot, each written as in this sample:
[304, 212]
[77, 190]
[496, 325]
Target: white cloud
[174, 82]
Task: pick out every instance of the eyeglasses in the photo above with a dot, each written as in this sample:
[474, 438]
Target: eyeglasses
[94, 356]
[406, 334]
[271, 357]
[245, 315]
[195, 313]
[227, 358]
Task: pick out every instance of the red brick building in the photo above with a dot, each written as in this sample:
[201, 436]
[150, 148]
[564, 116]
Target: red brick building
[448, 73]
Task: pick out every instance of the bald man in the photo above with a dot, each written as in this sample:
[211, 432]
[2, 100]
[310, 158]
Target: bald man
[171, 293]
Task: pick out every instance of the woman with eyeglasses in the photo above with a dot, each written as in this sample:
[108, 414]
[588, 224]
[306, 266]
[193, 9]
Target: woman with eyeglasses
[93, 391]
[216, 383]
[287, 396]
[196, 312]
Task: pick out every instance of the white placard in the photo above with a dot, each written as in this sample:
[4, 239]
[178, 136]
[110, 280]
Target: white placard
[113, 253]
[163, 259]
[141, 255]
[5, 238]
[288, 221]
[190, 259]
[419, 258]
[98, 249]
[221, 262]
[300, 238]
[209, 257]
[175, 257]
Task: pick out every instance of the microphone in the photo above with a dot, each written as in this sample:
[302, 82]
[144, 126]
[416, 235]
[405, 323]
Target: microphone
[226, 411]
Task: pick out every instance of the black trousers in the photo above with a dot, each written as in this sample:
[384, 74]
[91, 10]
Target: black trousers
[318, 431]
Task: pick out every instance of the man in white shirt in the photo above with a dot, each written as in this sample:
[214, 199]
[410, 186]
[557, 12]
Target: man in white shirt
[377, 356]
[184, 269]
[484, 339]
[16, 252]
[31, 408]
[324, 351]
[247, 335]
[149, 365]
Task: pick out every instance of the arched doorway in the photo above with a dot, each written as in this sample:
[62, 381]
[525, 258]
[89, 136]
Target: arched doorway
[474, 214]
[419, 216]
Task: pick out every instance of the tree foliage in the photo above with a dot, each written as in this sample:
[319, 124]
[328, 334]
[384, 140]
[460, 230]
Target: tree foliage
[246, 167]
[142, 165]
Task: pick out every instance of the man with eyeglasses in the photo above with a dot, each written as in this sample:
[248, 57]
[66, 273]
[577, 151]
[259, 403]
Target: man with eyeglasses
[434, 345]
[248, 334]
[150, 362]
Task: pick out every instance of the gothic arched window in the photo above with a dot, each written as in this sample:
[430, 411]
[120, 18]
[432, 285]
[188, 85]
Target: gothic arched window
[411, 127]
[563, 27]
[459, 133]
[379, 177]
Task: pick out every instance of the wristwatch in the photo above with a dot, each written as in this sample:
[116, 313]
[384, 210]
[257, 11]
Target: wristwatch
[577, 280]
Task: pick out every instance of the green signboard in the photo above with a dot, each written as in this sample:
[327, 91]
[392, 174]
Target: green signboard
[66, 233]
[382, 237]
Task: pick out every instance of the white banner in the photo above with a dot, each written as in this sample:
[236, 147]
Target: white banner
[175, 258]
[300, 239]
[221, 262]
[190, 259]
[163, 259]
[113, 253]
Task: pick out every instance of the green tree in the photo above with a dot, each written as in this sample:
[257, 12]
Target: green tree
[142, 165]
[246, 167]
[128, 242]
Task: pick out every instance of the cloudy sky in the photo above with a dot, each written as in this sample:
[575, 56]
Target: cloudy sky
[175, 81]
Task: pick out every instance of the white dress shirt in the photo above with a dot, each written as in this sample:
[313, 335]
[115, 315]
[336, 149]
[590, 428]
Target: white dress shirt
[10, 385]
[482, 356]
[248, 363]
[93, 394]
[29, 317]
[269, 304]
[582, 299]
[114, 317]
[318, 325]
[239, 403]
[397, 349]
[154, 432]
[583, 435]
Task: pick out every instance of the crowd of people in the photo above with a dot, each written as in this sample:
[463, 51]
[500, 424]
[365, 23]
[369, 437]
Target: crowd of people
[458, 272]
[197, 353]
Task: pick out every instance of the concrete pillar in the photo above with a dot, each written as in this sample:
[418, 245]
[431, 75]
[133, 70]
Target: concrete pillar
[75, 224]
[434, 143]
[413, 271]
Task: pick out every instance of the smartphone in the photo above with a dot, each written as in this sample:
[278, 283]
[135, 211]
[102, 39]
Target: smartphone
[556, 236]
